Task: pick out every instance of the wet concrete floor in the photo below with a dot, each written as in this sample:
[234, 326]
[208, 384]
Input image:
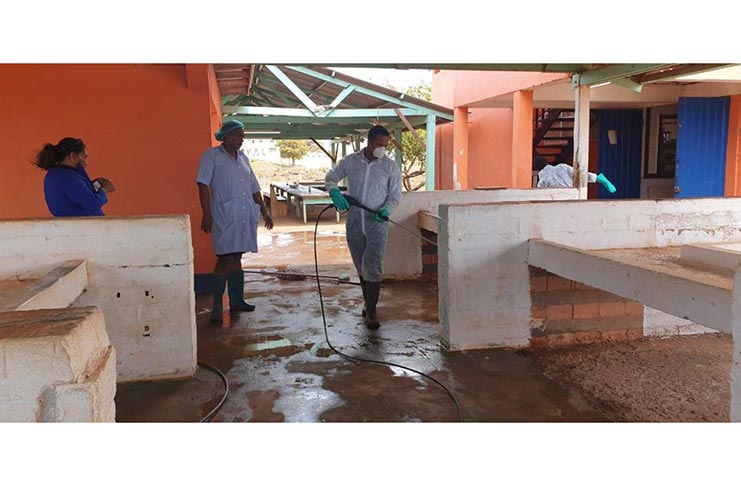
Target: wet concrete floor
[280, 368]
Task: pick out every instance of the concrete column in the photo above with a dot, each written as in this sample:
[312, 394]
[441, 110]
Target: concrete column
[581, 140]
[522, 139]
[460, 148]
[733, 150]
[736, 366]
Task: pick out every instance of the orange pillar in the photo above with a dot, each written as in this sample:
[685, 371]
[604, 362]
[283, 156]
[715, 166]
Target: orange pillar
[460, 148]
[522, 139]
[733, 150]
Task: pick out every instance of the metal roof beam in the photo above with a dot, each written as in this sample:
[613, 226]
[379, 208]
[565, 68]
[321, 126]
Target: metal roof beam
[611, 73]
[297, 92]
[680, 70]
[343, 113]
[542, 68]
[369, 92]
[629, 84]
[340, 97]
[273, 120]
[268, 94]
[307, 133]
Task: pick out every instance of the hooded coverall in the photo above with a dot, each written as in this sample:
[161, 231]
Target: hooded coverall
[377, 185]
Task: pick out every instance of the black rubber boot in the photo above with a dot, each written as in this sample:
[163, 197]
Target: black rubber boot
[373, 289]
[236, 293]
[365, 298]
[219, 284]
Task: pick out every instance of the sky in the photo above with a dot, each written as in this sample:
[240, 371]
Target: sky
[398, 78]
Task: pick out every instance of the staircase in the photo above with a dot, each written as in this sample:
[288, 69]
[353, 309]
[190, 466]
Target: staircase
[553, 134]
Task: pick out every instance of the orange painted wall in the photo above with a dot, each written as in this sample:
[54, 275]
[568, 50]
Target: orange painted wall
[489, 149]
[733, 150]
[522, 139]
[461, 88]
[145, 127]
[444, 157]
[490, 130]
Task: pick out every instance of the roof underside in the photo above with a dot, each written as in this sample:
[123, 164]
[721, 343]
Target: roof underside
[309, 101]
[302, 103]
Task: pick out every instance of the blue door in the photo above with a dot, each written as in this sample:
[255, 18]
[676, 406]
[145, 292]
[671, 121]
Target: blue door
[701, 147]
[620, 161]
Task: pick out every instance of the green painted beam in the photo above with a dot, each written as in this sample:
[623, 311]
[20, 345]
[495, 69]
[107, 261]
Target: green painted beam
[613, 72]
[267, 94]
[541, 68]
[682, 70]
[285, 120]
[629, 84]
[258, 94]
[430, 154]
[381, 96]
[339, 99]
[297, 92]
[306, 132]
[342, 113]
[292, 103]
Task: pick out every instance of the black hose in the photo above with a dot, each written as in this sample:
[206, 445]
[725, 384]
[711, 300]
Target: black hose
[218, 406]
[354, 358]
[302, 276]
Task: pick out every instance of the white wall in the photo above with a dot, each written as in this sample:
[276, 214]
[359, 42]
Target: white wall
[404, 251]
[725, 256]
[657, 323]
[140, 273]
[483, 274]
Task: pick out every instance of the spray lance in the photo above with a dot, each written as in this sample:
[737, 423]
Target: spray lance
[355, 202]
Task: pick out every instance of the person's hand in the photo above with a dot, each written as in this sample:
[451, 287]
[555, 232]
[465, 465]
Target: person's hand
[106, 184]
[206, 223]
[606, 183]
[268, 221]
[385, 212]
[338, 199]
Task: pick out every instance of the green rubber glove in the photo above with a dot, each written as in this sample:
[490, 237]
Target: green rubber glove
[338, 199]
[605, 182]
[385, 212]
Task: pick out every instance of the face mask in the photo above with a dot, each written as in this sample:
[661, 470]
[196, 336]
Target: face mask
[379, 152]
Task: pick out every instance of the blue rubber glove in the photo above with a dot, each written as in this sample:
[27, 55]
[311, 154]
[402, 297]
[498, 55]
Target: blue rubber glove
[385, 212]
[338, 199]
[605, 182]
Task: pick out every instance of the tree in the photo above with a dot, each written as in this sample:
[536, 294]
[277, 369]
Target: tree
[413, 160]
[414, 154]
[293, 149]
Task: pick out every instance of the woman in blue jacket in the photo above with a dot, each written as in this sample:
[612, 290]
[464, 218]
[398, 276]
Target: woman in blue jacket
[68, 190]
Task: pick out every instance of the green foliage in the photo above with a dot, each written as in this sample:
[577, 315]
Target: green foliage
[413, 159]
[293, 149]
[413, 152]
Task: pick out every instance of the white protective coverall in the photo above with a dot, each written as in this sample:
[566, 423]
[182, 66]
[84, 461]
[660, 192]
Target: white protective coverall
[561, 175]
[377, 185]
